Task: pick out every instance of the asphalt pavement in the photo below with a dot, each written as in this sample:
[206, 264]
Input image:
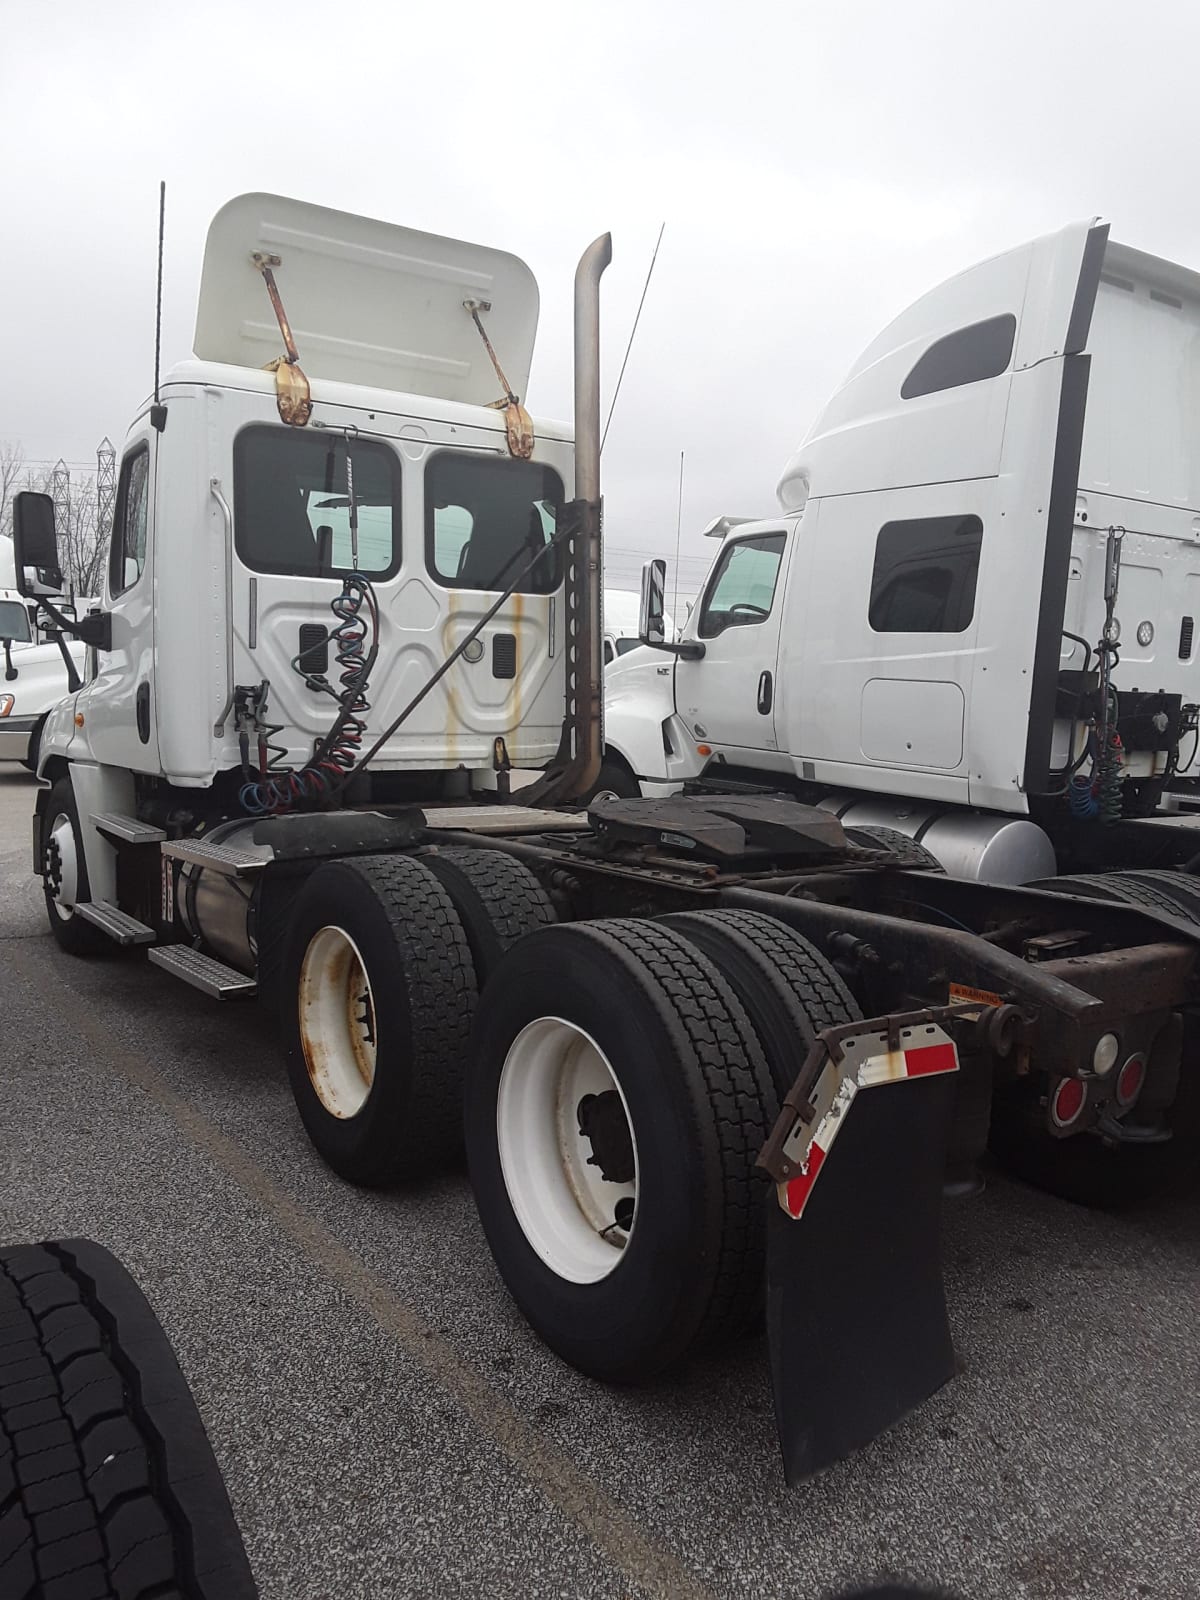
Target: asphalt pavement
[388, 1426]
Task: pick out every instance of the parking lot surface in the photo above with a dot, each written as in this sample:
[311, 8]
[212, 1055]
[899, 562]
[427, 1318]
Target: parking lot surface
[388, 1426]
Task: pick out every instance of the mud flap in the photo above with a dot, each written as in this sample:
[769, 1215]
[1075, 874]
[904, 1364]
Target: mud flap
[856, 1311]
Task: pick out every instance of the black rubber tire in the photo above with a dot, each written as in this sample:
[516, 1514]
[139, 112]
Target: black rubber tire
[76, 937]
[497, 898]
[1123, 887]
[1181, 889]
[108, 1484]
[908, 852]
[790, 991]
[423, 982]
[700, 1100]
[615, 778]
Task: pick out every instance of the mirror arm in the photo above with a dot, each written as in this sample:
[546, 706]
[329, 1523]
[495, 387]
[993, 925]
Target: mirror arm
[74, 681]
[688, 650]
[94, 630]
[10, 672]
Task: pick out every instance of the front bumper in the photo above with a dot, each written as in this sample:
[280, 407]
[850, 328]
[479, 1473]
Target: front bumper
[15, 734]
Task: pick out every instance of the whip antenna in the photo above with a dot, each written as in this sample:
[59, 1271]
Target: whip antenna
[158, 412]
[632, 332]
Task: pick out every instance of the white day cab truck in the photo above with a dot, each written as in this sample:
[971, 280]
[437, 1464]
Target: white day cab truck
[699, 1045]
[40, 665]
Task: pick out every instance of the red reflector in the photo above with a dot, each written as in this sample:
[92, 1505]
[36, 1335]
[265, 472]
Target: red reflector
[1129, 1084]
[1068, 1101]
[800, 1187]
[930, 1058]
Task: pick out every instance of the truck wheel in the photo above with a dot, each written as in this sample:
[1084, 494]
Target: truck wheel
[1119, 886]
[788, 988]
[908, 852]
[378, 997]
[64, 874]
[616, 1101]
[497, 899]
[108, 1485]
[615, 779]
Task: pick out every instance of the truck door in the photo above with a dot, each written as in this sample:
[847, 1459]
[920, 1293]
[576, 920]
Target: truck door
[118, 704]
[727, 698]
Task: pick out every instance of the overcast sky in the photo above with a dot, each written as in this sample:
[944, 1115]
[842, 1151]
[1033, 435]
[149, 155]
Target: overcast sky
[817, 166]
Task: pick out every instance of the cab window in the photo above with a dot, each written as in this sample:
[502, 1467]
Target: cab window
[486, 519]
[127, 553]
[742, 590]
[291, 495]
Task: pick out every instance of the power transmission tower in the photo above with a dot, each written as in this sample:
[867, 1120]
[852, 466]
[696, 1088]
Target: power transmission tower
[60, 493]
[106, 486]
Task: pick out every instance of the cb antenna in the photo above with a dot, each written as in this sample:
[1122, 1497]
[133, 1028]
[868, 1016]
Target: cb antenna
[158, 412]
[632, 332]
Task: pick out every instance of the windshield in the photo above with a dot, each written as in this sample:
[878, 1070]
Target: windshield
[14, 622]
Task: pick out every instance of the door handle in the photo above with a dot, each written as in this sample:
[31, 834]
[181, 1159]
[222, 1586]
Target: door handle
[764, 693]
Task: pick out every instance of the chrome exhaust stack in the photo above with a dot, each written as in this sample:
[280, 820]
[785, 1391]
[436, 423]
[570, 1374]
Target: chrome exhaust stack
[589, 563]
[576, 767]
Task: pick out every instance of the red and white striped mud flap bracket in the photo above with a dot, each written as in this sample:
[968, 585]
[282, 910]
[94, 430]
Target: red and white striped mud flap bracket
[856, 1311]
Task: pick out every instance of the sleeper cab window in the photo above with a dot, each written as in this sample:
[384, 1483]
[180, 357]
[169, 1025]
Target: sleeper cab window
[127, 552]
[489, 520]
[292, 503]
[924, 576]
[742, 589]
[968, 355]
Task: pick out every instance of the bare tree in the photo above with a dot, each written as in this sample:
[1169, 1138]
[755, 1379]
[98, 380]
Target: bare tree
[12, 467]
[82, 543]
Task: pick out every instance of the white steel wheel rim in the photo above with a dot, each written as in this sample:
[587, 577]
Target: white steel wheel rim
[566, 1207]
[62, 839]
[337, 1022]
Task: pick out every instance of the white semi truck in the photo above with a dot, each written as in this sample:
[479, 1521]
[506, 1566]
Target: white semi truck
[352, 584]
[974, 617]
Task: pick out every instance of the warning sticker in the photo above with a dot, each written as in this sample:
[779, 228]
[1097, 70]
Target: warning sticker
[979, 997]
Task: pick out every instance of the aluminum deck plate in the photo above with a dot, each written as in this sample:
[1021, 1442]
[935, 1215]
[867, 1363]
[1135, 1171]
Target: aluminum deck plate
[504, 819]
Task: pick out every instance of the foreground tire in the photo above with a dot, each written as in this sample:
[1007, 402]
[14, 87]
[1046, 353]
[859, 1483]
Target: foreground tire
[108, 1485]
[497, 898]
[378, 994]
[788, 988]
[616, 1102]
[64, 874]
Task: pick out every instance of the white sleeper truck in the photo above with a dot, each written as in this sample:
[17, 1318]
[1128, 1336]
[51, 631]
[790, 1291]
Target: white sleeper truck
[974, 619]
[352, 586]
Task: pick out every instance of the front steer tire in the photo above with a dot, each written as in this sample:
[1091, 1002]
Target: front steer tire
[700, 1102]
[71, 932]
[423, 990]
[108, 1484]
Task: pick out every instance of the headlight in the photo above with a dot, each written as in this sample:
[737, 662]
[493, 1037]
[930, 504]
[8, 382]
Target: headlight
[1104, 1057]
[6, 704]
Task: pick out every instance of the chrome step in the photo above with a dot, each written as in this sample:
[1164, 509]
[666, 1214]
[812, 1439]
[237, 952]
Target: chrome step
[234, 863]
[127, 828]
[117, 924]
[202, 972]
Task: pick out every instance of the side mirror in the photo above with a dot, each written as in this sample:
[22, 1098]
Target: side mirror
[35, 543]
[652, 611]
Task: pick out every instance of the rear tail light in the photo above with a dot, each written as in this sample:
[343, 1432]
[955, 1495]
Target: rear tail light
[1067, 1101]
[1130, 1080]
